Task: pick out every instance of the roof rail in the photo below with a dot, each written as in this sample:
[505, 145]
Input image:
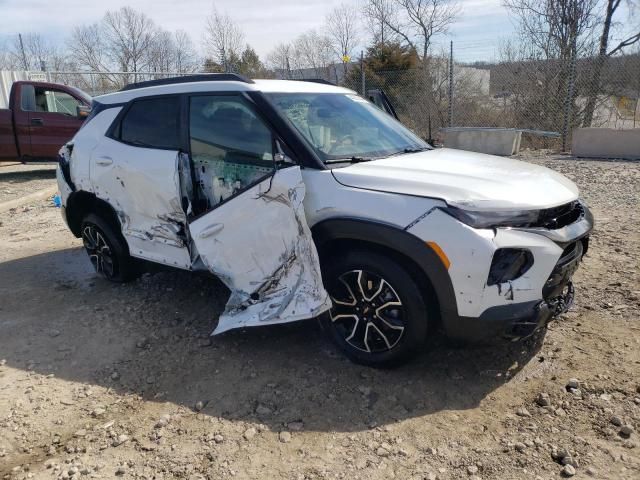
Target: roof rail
[204, 77]
[314, 80]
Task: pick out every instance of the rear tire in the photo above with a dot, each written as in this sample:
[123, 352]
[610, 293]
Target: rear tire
[379, 317]
[107, 250]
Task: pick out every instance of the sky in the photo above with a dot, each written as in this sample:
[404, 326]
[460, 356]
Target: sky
[477, 34]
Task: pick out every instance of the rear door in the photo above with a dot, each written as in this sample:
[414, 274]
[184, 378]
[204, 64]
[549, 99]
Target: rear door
[136, 168]
[52, 121]
[253, 233]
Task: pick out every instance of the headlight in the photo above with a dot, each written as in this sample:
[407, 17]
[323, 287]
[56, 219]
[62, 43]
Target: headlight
[510, 218]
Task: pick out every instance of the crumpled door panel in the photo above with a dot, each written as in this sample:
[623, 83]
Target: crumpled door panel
[260, 246]
[143, 186]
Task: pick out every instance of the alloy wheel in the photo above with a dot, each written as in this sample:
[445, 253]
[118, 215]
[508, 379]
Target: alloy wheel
[99, 251]
[367, 311]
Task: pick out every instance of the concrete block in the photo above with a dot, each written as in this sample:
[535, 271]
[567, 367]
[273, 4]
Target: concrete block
[606, 143]
[494, 141]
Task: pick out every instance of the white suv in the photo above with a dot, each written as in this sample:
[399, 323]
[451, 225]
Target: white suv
[308, 200]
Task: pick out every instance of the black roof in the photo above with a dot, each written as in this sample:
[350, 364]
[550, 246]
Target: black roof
[314, 80]
[204, 77]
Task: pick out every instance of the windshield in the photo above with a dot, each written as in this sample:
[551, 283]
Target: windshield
[342, 126]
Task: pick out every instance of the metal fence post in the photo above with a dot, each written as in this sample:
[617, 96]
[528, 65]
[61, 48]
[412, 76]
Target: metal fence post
[362, 73]
[568, 104]
[451, 84]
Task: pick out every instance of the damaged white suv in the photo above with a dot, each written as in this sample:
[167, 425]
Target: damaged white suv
[307, 200]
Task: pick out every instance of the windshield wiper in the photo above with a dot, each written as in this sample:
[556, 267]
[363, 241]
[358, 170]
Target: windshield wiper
[354, 159]
[414, 150]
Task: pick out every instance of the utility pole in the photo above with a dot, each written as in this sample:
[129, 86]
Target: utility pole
[451, 83]
[24, 56]
[364, 93]
[568, 105]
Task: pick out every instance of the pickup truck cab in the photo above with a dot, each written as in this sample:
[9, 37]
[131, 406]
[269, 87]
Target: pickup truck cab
[40, 119]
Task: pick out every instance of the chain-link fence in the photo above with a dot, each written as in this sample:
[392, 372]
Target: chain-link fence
[546, 98]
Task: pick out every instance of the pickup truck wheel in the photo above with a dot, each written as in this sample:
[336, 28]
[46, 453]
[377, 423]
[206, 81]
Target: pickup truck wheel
[107, 250]
[378, 316]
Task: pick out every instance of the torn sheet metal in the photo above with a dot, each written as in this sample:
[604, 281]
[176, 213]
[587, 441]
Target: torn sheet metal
[261, 247]
[145, 191]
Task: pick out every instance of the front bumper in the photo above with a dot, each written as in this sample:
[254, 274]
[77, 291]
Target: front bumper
[516, 308]
[510, 322]
[520, 320]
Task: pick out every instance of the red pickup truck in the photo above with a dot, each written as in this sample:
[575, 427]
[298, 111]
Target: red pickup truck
[41, 118]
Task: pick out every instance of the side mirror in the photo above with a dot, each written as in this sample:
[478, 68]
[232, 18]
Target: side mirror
[281, 158]
[82, 111]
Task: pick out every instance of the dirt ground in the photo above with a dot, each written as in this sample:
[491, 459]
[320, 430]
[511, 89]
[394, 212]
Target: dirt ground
[103, 381]
[19, 180]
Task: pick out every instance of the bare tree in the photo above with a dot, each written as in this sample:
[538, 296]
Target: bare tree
[378, 15]
[223, 38]
[342, 27]
[6, 62]
[185, 58]
[128, 37]
[603, 54]
[551, 26]
[314, 51]
[161, 53]
[34, 53]
[554, 34]
[415, 22]
[280, 59]
[87, 46]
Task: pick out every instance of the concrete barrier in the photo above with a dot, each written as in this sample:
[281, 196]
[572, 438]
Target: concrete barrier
[495, 141]
[606, 143]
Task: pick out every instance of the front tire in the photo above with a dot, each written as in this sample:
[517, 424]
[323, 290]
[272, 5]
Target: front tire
[379, 317]
[107, 250]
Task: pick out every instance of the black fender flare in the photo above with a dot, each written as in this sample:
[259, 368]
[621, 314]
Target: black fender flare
[398, 240]
[80, 203]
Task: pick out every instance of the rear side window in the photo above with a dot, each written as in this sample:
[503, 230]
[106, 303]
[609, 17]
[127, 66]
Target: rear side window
[152, 123]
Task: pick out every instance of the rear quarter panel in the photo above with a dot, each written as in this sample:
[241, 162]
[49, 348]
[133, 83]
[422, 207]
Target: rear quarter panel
[84, 143]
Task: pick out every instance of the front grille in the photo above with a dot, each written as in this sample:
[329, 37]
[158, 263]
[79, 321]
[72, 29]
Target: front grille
[558, 217]
[564, 270]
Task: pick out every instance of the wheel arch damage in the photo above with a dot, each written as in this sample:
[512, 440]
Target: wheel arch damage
[80, 203]
[335, 234]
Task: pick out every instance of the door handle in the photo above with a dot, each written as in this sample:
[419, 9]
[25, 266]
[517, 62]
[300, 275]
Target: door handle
[104, 161]
[37, 121]
[212, 230]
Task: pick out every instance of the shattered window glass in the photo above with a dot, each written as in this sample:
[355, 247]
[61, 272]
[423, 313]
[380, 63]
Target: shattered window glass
[231, 147]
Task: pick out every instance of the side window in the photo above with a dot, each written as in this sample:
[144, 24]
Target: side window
[231, 147]
[152, 123]
[52, 101]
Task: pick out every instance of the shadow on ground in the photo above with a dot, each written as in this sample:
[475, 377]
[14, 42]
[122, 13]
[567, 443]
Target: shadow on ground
[151, 337]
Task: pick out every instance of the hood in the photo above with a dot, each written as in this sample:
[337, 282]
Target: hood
[469, 180]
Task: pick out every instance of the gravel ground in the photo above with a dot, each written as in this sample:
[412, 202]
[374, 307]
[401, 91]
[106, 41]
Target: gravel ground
[104, 381]
[17, 180]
